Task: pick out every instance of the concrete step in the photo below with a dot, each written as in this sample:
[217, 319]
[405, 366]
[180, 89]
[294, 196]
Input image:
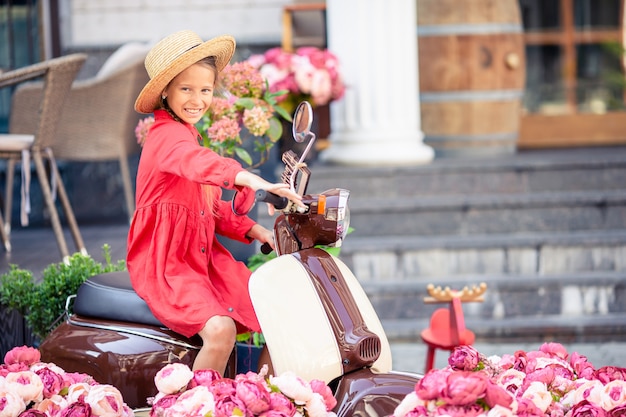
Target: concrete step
[575, 306]
[591, 169]
[392, 258]
[489, 213]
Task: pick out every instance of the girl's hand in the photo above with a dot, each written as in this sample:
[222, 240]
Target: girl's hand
[261, 234]
[248, 179]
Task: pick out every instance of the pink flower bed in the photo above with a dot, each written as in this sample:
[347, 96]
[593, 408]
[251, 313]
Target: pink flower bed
[31, 388]
[547, 382]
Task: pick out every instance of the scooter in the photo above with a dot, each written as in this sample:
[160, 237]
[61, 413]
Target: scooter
[315, 317]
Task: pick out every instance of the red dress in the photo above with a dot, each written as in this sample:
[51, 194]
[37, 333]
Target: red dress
[175, 261]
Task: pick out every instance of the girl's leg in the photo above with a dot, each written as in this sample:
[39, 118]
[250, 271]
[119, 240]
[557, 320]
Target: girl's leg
[218, 339]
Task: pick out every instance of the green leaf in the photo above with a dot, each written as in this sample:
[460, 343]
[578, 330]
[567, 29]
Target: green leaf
[243, 155]
[283, 113]
[245, 102]
[275, 131]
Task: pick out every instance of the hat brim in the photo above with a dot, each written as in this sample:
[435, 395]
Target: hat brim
[221, 47]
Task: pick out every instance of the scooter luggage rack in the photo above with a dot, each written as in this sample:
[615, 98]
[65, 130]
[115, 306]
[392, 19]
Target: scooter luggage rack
[292, 164]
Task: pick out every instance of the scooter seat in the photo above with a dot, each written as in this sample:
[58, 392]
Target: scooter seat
[111, 296]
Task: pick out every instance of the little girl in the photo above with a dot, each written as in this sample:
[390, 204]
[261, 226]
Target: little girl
[192, 284]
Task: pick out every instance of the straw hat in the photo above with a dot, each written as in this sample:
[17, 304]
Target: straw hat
[175, 53]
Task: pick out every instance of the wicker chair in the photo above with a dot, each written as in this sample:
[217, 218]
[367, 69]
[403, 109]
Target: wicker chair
[98, 119]
[58, 75]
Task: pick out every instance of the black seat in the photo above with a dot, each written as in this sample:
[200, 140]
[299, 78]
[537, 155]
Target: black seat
[111, 296]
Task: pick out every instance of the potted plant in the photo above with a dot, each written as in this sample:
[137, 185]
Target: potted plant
[42, 302]
[308, 74]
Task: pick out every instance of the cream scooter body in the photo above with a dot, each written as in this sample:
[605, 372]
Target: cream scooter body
[316, 318]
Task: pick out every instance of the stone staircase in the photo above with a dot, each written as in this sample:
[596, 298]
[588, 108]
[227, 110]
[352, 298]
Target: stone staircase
[546, 230]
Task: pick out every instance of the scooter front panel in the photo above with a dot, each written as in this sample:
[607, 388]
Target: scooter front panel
[295, 325]
[384, 361]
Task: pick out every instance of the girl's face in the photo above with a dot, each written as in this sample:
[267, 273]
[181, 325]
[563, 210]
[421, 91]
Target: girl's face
[190, 93]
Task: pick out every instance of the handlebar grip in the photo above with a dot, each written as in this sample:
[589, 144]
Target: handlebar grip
[275, 200]
[266, 248]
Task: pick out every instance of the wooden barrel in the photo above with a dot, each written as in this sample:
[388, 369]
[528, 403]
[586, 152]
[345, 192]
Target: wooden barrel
[471, 75]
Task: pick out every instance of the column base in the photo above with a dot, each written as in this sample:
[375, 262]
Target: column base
[356, 149]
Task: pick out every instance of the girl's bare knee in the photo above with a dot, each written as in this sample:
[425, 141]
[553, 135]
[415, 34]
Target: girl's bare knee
[219, 330]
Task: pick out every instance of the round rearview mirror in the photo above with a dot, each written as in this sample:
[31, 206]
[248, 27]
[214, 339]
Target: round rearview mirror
[302, 119]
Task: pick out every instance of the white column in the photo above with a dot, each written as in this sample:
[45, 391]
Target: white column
[378, 120]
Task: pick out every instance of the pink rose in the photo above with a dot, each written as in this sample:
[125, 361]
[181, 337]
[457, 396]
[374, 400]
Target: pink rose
[23, 354]
[203, 377]
[464, 358]
[586, 409]
[610, 373]
[554, 350]
[281, 405]
[223, 387]
[581, 366]
[162, 404]
[324, 390]
[464, 387]
[77, 409]
[173, 378]
[254, 395]
[496, 395]
[33, 413]
[431, 386]
[471, 410]
[619, 411]
[71, 378]
[226, 406]
[527, 408]
[52, 382]
[196, 402]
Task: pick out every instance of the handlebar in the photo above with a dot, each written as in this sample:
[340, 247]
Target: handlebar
[278, 202]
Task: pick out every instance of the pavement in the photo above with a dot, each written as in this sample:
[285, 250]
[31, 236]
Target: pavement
[411, 357]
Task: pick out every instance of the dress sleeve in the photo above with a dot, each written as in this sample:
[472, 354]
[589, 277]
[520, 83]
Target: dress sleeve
[182, 155]
[230, 225]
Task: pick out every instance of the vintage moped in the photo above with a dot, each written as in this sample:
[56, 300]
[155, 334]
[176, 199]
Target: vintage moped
[316, 318]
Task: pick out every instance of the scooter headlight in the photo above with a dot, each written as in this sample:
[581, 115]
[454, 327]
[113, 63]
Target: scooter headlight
[335, 210]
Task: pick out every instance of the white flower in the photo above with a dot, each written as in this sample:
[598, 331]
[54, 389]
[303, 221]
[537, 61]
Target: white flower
[293, 387]
[26, 384]
[172, 378]
[12, 404]
[614, 394]
[538, 393]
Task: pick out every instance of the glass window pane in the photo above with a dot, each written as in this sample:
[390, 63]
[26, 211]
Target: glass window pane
[601, 81]
[597, 14]
[540, 14]
[545, 92]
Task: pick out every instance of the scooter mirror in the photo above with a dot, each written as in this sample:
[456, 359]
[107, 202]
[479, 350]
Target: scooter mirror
[302, 120]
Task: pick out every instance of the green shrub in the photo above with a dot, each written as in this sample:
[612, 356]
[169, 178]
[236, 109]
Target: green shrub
[43, 303]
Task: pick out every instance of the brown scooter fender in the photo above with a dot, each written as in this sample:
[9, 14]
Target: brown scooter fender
[113, 336]
[370, 394]
[125, 355]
